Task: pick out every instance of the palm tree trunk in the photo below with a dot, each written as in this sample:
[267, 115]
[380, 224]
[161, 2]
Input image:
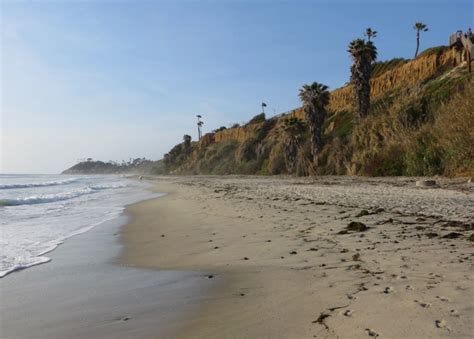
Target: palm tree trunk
[417, 43]
[291, 154]
[361, 74]
[365, 95]
[316, 142]
[315, 122]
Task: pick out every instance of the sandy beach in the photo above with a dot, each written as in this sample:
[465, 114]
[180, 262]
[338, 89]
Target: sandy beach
[83, 293]
[287, 265]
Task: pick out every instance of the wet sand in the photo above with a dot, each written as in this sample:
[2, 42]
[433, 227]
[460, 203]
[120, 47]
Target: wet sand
[288, 266]
[84, 293]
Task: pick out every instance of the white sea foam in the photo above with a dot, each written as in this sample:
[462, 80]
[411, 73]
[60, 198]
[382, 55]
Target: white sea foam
[41, 212]
[37, 184]
[45, 198]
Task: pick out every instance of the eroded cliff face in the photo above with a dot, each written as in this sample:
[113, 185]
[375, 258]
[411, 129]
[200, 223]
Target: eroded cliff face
[206, 140]
[239, 134]
[406, 92]
[406, 75]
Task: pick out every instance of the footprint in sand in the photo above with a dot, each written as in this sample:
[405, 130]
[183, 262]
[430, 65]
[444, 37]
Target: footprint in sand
[441, 324]
[454, 313]
[347, 313]
[442, 298]
[423, 304]
[371, 333]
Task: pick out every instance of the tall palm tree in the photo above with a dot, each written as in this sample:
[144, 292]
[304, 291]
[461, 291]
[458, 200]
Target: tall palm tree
[370, 33]
[315, 98]
[293, 129]
[363, 54]
[419, 27]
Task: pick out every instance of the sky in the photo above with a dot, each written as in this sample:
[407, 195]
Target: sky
[114, 80]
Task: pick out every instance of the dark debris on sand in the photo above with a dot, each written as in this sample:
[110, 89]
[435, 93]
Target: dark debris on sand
[354, 226]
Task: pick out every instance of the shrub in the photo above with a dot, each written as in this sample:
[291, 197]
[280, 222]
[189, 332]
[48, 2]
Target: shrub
[247, 150]
[334, 157]
[219, 158]
[219, 129]
[389, 161]
[454, 131]
[257, 119]
[250, 167]
[423, 156]
[344, 123]
[442, 90]
[262, 132]
[276, 160]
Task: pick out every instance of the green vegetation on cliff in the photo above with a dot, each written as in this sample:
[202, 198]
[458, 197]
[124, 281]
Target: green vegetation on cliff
[420, 122]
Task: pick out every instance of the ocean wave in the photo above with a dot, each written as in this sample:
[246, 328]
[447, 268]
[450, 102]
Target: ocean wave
[109, 186]
[9, 268]
[39, 184]
[48, 198]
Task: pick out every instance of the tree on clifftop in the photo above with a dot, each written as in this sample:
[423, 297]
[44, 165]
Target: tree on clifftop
[363, 54]
[419, 27]
[186, 144]
[315, 98]
[370, 33]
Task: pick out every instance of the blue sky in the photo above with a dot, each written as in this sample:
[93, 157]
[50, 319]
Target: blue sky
[118, 79]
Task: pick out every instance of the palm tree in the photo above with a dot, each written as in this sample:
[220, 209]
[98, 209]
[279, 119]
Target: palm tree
[370, 33]
[199, 125]
[419, 27]
[294, 129]
[363, 54]
[315, 98]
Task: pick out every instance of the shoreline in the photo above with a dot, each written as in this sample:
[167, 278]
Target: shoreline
[83, 292]
[33, 252]
[284, 268]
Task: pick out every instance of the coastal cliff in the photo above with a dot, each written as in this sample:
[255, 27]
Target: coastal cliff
[420, 123]
[415, 103]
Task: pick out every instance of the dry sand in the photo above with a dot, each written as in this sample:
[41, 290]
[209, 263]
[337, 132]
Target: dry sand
[285, 269]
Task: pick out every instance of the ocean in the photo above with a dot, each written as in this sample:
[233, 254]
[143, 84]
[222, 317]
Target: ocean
[39, 212]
